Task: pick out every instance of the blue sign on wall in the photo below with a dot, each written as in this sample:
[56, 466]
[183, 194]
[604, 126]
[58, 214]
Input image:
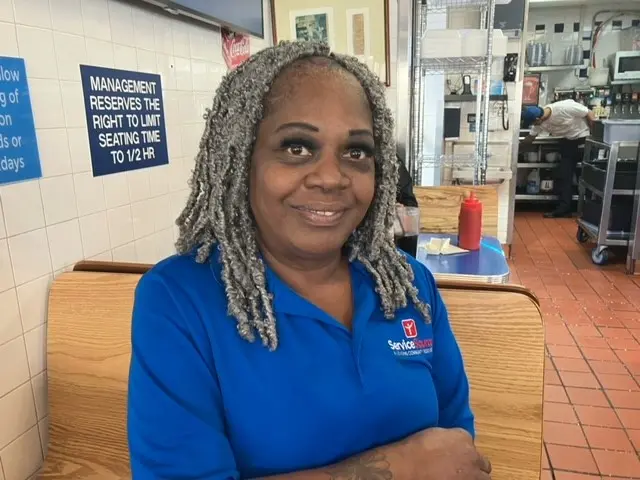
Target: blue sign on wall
[125, 119]
[19, 159]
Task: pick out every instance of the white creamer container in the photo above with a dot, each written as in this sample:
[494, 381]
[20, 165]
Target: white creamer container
[533, 182]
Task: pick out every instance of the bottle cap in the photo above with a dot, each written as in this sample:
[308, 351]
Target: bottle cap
[471, 201]
[470, 197]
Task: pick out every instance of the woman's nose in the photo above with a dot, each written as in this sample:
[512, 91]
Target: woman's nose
[328, 173]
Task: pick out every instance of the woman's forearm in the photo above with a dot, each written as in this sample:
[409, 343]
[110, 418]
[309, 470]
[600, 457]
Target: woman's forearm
[432, 454]
[385, 462]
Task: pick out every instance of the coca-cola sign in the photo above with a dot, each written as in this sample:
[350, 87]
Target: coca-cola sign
[235, 48]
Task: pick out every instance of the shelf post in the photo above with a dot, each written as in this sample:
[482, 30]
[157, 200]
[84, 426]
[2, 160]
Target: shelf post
[484, 152]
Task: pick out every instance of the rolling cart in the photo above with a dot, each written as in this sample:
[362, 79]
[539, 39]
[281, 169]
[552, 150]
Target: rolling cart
[609, 178]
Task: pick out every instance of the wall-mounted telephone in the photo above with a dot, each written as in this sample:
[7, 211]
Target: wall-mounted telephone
[510, 67]
[466, 84]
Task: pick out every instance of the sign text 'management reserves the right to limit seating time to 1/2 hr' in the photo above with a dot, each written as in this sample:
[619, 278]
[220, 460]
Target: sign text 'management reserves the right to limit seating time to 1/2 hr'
[125, 119]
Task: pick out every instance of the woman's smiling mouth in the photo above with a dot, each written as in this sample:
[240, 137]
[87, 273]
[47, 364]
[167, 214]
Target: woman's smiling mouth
[321, 217]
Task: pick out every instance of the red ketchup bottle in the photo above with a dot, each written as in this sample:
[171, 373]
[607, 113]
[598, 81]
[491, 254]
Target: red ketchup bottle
[470, 223]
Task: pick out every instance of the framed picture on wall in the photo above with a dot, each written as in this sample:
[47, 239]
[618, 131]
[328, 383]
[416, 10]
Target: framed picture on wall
[531, 89]
[312, 25]
[351, 27]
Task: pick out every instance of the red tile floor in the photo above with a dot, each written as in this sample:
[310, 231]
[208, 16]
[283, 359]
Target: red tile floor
[592, 324]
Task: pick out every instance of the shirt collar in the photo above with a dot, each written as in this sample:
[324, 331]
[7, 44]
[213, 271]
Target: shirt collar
[288, 301]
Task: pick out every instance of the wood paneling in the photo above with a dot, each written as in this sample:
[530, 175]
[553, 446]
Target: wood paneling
[440, 206]
[501, 337]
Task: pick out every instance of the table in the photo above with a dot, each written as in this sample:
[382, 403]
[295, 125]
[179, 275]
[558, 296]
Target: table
[487, 265]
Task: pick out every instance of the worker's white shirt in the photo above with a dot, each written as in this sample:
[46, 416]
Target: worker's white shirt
[568, 119]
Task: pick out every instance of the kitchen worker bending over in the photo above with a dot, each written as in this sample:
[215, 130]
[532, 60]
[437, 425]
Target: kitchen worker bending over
[289, 338]
[572, 121]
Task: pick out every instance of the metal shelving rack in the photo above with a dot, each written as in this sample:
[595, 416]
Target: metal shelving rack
[542, 145]
[420, 67]
[603, 237]
[552, 68]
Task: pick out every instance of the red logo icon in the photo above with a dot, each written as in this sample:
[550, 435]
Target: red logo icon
[410, 329]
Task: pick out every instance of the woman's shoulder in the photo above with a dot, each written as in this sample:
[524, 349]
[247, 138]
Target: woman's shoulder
[181, 276]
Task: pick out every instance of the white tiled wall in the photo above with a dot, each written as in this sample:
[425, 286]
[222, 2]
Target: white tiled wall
[49, 224]
[607, 44]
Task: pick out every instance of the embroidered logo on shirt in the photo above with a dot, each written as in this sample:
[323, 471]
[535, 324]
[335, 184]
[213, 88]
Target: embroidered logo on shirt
[411, 345]
[410, 329]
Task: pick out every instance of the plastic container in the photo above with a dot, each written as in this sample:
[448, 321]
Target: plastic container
[630, 39]
[621, 131]
[595, 173]
[619, 215]
[470, 223]
[533, 182]
[441, 44]
[546, 182]
[552, 157]
[407, 229]
[573, 54]
[474, 43]
[538, 53]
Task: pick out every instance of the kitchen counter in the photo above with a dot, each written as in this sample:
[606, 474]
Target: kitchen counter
[621, 121]
[546, 139]
[540, 138]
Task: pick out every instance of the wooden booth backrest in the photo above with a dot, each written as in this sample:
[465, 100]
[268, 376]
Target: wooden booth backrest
[499, 330]
[440, 206]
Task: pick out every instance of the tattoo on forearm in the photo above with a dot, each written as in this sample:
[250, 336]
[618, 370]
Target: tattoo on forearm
[369, 466]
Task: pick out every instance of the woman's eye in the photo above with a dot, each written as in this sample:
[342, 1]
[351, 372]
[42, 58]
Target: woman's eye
[358, 154]
[298, 150]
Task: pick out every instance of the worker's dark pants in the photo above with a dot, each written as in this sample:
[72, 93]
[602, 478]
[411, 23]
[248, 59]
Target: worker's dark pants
[571, 155]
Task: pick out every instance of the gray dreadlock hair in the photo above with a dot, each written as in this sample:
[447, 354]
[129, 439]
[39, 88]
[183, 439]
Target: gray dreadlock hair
[218, 212]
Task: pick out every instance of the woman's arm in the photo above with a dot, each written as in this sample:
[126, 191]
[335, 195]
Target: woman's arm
[387, 462]
[449, 376]
[175, 411]
[433, 454]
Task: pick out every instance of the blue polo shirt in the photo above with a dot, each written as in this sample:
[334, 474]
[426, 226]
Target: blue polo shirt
[205, 404]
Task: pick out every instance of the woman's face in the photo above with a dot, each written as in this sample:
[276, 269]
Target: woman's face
[313, 172]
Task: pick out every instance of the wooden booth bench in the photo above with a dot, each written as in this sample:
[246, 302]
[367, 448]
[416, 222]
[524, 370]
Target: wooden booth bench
[499, 329]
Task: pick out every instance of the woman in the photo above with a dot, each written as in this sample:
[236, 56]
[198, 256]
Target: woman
[290, 339]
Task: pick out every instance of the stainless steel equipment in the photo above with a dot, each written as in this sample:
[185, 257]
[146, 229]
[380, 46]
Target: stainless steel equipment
[609, 177]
